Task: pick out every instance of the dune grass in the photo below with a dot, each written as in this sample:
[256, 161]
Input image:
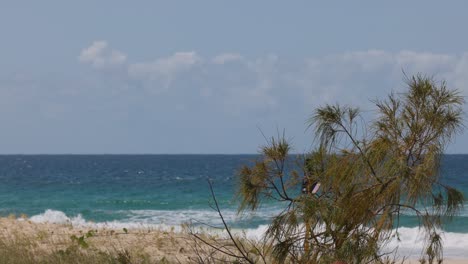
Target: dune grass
[24, 242]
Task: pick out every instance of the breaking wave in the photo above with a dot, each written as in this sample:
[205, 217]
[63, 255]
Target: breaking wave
[410, 243]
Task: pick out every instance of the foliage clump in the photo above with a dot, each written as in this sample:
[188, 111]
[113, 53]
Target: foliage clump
[369, 174]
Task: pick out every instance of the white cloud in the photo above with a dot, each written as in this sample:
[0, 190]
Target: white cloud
[158, 75]
[460, 74]
[356, 77]
[366, 61]
[226, 57]
[266, 82]
[267, 70]
[425, 62]
[101, 56]
[169, 66]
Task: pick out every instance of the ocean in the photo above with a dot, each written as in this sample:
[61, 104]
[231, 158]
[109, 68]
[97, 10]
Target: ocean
[167, 191]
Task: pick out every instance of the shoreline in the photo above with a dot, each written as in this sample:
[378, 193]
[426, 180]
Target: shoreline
[145, 243]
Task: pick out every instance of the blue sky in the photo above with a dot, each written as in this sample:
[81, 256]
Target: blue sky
[207, 76]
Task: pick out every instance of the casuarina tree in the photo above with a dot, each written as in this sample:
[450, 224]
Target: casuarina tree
[344, 200]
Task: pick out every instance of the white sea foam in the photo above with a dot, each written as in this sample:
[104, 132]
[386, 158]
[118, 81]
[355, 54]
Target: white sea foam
[412, 241]
[57, 217]
[410, 244]
[210, 217]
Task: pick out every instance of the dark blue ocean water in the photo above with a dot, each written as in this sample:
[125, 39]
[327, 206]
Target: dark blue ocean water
[149, 189]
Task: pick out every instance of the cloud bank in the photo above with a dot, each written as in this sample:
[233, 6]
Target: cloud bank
[99, 55]
[238, 83]
[187, 102]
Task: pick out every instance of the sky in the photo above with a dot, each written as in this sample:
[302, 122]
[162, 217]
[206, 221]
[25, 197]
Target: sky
[199, 77]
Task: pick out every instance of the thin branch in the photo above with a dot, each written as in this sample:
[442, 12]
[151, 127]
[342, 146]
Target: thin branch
[241, 250]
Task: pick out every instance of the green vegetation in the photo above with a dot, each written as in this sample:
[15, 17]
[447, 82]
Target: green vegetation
[370, 173]
[23, 242]
[24, 250]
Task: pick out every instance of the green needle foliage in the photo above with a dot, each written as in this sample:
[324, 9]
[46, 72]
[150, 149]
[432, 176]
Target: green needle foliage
[370, 173]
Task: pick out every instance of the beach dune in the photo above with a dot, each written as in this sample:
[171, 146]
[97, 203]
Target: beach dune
[143, 245]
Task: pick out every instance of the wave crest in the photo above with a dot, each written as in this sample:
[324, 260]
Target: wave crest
[410, 244]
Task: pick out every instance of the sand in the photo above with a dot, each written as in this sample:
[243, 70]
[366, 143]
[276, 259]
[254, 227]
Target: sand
[152, 243]
[149, 243]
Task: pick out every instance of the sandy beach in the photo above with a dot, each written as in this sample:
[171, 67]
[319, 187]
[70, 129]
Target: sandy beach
[144, 245]
[149, 245]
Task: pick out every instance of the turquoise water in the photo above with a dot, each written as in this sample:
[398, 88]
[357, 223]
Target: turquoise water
[149, 189]
[154, 189]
